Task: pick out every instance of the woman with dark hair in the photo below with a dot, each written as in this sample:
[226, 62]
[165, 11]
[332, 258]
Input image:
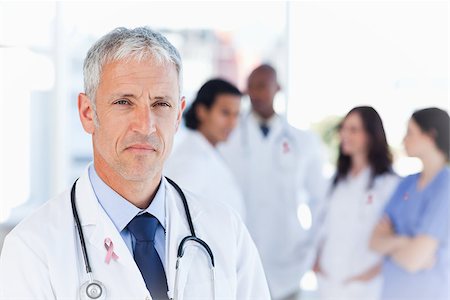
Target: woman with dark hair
[364, 181]
[195, 163]
[413, 234]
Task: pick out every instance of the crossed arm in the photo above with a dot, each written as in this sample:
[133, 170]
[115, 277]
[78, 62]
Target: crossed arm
[413, 254]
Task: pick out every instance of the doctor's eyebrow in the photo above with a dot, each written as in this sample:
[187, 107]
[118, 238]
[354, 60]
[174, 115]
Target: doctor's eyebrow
[133, 96]
[122, 95]
[161, 98]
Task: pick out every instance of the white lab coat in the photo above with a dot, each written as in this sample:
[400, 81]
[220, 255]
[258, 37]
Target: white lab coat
[276, 175]
[198, 167]
[41, 257]
[352, 214]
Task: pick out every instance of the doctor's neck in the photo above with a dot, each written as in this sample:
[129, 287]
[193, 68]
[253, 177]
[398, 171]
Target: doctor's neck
[359, 162]
[433, 161]
[264, 115]
[140, 193]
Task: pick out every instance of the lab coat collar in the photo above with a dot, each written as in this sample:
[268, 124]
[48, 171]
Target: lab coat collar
[276, 125]
[201, 140]
[86, 201]
[361, 177]
[269, 122]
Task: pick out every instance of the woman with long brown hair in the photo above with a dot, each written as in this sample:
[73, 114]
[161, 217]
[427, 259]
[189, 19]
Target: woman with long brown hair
[364, 181]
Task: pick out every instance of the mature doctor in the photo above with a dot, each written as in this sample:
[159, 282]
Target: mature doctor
[132, 218]
[279, 169]
[195, 163]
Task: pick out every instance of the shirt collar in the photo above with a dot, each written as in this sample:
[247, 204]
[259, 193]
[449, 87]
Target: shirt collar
[120, 210]
[269, 122]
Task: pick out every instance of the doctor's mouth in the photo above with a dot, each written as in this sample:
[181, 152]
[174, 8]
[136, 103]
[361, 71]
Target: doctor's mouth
[141, 148]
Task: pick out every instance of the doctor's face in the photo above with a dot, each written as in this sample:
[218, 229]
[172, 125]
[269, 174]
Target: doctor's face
[217, 122]
[262, 88]
[417, 142]
[353, 135]
[138, 109]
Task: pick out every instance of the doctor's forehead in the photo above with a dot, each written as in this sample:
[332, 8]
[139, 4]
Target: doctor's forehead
[131, 65]
[262, 76]
[129, 72]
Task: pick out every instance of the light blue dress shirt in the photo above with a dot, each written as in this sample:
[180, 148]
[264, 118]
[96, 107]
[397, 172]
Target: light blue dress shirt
[121, 211]
[420, 212]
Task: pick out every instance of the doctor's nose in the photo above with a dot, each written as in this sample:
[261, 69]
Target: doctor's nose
[143, 121]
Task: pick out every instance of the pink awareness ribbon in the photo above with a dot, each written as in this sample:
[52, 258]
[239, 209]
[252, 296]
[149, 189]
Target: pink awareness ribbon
[286, 148]
[110, 248]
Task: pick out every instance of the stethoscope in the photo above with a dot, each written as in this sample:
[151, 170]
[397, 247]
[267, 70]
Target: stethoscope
[94, 289]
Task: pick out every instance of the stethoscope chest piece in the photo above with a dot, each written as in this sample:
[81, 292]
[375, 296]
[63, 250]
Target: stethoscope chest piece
[92, 290]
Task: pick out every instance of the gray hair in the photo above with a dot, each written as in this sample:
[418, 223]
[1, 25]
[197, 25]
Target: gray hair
[123, 43]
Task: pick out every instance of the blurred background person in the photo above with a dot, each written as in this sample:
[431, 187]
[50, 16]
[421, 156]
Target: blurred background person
[195, 164]
[413, 234]
[278, 168]
[364, 181]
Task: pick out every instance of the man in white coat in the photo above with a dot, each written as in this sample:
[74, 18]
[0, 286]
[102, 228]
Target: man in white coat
[132, 219]
[279, 169]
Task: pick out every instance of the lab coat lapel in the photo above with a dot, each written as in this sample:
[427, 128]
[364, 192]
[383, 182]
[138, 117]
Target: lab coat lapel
[276, 129]
[96, 227]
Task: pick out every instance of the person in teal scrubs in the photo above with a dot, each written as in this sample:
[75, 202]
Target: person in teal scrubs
[413, 234]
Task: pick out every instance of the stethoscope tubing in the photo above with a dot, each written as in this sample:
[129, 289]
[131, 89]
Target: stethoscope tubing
[79, 229]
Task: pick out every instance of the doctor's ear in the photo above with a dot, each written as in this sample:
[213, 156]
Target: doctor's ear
[86, 113]
[201, 112]
[180, 112]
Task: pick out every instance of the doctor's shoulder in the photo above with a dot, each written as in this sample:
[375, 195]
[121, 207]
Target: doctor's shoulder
[388, 181]
[385, 185]
[235, 253]
[215, 211]
[306, 137]
[49, 218]
[217, 222]
[34, 247]
[404, 184]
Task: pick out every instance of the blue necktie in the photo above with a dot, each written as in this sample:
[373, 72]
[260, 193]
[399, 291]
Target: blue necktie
[143, 228]
[264, 129]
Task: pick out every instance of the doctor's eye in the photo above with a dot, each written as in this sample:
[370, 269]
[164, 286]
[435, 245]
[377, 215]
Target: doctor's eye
[122, 102]
[162, 104]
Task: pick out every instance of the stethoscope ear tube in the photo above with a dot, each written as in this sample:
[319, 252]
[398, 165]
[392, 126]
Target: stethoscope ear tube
[80, 230]
[185, 204]
[192, 237]
[180, 252]
[91, 289]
